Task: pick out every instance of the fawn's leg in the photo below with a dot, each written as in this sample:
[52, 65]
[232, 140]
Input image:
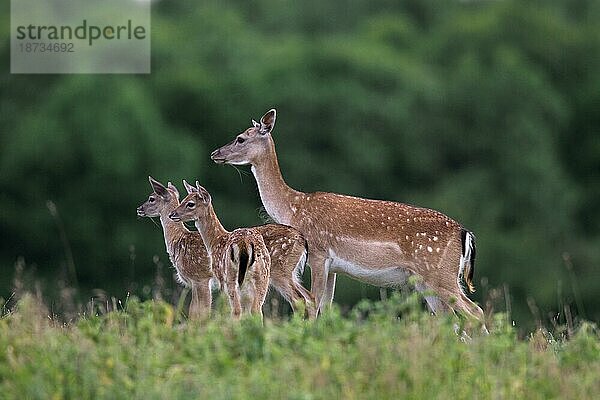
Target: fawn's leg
[194, 312]
[204, 297]
[248, 294]
[260, 294]
[233, 292]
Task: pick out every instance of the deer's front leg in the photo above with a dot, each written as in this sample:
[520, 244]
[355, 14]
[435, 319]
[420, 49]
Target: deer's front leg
[201, 299]
[204, 297]
[319, 271]
[195, 302]
[329, 289]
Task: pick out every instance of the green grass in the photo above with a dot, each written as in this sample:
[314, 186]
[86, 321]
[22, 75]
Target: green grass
[145, 351]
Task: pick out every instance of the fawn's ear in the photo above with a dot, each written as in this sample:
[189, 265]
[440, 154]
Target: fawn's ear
[267, 122]
[188, 187]
[158, 188]
[173, 189]
[204, 195]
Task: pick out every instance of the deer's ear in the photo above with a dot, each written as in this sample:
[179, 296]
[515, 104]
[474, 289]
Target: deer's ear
[158, 188]
[267, 122]
[204, 195]
[188, 187]
[173, 189]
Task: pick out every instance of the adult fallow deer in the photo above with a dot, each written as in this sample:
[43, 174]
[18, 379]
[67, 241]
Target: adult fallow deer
[374, 241]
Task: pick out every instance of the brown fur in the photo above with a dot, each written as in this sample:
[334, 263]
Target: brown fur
[285, 247]
[185, 248]
[246, 293]
[380, 237]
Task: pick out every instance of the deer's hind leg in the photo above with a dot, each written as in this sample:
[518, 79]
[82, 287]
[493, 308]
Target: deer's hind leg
[288, 285]
[248, 295]
[434, 303]
[261, 274]
[235, 296]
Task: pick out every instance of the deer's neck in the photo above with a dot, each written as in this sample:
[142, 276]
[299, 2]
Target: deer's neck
[172, 231]
[210, 229]
[276, 195]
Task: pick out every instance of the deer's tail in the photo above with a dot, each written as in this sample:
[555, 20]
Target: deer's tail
[467, 259]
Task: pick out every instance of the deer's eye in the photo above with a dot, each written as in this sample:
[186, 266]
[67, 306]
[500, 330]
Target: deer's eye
[240, 140]
[190, 204]
[151, 199]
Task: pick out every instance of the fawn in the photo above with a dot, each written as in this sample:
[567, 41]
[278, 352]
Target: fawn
[240, 259]
[378, 242]
[185, 248]
[288, 250]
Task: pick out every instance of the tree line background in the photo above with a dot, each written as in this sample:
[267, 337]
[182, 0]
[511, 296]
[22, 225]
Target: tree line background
[486, 111]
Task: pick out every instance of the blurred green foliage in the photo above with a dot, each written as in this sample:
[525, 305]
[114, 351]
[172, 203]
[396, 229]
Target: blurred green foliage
[487, 111]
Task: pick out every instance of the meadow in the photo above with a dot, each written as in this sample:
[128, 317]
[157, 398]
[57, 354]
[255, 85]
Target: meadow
[377, 350]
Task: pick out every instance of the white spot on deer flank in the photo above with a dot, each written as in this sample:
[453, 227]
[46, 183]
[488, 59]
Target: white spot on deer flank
[435, 238]
[429, 249]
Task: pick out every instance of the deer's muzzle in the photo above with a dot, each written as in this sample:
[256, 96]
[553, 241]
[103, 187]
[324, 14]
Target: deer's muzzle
[217, 157]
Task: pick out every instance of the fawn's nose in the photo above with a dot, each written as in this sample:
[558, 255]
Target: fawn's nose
[140, 211]
[174, 216]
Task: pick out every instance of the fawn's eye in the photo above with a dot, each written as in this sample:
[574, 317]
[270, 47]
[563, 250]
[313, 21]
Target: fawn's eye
[190, 204]
[240, 140]
[151, 199]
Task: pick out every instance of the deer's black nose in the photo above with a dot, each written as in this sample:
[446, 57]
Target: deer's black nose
[174, 216]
